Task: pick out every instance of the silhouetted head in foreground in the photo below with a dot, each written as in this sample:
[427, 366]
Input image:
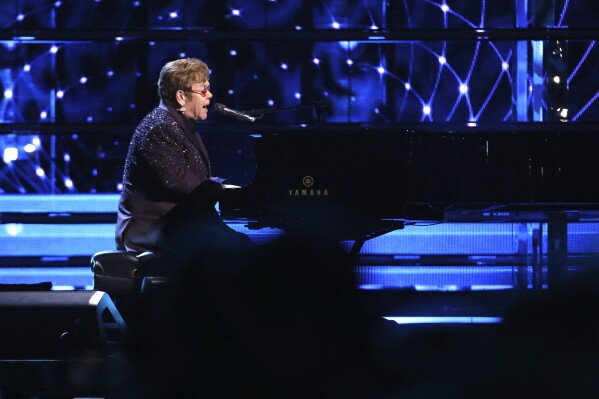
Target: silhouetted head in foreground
[284, 322]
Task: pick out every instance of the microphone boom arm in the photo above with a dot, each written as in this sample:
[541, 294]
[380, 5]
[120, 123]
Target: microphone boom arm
[318, 106]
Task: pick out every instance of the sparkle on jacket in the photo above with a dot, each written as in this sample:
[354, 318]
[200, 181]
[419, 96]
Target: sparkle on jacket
[165, 162]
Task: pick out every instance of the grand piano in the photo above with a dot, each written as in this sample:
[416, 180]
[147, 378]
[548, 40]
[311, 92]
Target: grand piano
[357, 182]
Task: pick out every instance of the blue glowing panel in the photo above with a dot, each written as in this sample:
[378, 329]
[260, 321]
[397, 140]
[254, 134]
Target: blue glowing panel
[451, 81]
[262, 14]
[447, 238]
[28, 14]
[100, 203]
[257, 75]
[583, 81]
[453, 14]
[104, 79]
[26, 82]
[111, 14]
[582, 238]
[63, 164]
[579, 13]
[351, 76]
[69, 82]
[62, 278]
[432, 278]
[55, 240]
[111, 80]
[468, 320]
[97, 83]
[366, 14]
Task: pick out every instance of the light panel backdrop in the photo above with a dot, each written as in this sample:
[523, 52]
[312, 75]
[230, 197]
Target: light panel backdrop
[75, 76]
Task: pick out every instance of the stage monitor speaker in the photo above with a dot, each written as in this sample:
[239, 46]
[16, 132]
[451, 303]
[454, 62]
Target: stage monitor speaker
[59, 325]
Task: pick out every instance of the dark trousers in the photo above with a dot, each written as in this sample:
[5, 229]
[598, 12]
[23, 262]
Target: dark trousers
[194, 226]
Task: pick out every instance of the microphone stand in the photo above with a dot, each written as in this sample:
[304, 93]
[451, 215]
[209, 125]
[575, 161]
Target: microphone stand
[318, 106]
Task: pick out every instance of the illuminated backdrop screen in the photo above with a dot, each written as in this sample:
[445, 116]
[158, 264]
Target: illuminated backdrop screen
[95, 63]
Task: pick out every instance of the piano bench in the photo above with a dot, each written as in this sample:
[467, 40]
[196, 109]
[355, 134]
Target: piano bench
[125, 273]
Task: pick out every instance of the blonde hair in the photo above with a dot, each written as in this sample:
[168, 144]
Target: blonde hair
[180, 75]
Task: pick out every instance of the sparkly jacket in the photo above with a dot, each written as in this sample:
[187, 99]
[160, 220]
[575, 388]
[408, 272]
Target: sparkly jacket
[166, 162]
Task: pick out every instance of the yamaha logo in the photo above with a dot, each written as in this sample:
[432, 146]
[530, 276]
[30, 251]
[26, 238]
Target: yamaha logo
[308, 189]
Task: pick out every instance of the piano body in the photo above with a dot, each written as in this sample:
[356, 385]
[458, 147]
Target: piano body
[360, 182]
[332, 182]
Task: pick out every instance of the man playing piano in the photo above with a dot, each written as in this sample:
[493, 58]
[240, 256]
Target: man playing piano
[168, 191]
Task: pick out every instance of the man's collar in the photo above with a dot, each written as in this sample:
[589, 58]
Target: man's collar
[186, 124]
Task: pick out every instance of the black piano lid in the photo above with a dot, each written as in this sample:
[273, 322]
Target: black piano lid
[425, 171]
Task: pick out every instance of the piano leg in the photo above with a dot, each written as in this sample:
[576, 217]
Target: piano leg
[537, 257]
[557, 248]
[522, 269]
[386, 228]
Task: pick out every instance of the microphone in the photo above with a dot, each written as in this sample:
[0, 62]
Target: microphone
[223, 110]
